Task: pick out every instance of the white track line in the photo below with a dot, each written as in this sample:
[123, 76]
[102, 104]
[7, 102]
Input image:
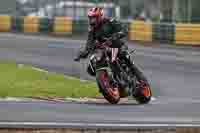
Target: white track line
[96, 125]
[40, 70]
[41, 38]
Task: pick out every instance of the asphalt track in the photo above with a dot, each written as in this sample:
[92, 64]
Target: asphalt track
[174, 74]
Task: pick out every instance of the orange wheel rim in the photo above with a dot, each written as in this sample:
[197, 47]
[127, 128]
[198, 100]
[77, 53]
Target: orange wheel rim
[114, 91]
[146, 92]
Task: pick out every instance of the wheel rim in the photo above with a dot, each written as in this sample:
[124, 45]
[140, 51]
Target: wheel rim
[146, 91]
[113, 91]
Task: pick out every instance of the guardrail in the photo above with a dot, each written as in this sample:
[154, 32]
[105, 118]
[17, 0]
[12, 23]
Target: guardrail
[187, 34]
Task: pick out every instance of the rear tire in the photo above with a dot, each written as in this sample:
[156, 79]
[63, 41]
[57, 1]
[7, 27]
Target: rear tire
[110, 93]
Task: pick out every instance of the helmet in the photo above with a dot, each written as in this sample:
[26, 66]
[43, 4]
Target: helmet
[95, 16]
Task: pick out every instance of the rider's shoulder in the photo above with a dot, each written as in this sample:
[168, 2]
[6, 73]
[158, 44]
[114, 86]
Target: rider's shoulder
[113, 21]
[109, 20]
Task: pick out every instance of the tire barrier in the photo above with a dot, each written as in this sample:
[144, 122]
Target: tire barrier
[5, 22]
[80, 27]
[62, 25]
[180, 33]
[46, 25]
[140, 31]
[187, 34]
[17, 24]
[31, 24]
[163, 32]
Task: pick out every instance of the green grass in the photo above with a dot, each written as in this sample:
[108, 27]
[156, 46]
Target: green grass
[25, 81]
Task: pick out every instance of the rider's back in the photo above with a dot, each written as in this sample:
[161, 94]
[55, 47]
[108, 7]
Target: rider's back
[108, 27]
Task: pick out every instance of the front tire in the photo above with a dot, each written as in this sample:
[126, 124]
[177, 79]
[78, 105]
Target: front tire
[110, 93]
[143, 91]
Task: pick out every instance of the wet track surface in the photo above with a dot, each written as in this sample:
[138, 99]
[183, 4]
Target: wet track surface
[174, 74]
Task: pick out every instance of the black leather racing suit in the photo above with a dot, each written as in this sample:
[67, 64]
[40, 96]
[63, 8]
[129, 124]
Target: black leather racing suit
[109, 28]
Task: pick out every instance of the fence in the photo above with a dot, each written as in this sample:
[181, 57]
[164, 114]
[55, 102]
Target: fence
[76, 9]
[173, 11]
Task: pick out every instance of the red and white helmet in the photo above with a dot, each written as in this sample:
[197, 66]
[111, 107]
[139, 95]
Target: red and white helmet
[95, 16]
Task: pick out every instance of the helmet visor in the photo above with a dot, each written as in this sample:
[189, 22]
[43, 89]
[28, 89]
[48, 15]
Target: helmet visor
[92, 21]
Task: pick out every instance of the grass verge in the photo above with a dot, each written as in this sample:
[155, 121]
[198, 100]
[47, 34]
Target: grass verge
[24, 81]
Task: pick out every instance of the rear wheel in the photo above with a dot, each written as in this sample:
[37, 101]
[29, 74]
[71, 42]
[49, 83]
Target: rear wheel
[109, 91]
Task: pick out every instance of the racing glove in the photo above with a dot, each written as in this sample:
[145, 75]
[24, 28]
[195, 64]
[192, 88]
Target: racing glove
[81, 54]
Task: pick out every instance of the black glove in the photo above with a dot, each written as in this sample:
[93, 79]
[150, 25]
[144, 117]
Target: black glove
[81, 54]
[77, 59]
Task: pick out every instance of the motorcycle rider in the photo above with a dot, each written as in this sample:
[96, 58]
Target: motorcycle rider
[101, 27]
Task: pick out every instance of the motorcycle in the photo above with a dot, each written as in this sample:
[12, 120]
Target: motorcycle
[114, 77]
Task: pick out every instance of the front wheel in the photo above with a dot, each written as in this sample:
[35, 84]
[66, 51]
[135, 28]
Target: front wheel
[143, 91]
[109, 91]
